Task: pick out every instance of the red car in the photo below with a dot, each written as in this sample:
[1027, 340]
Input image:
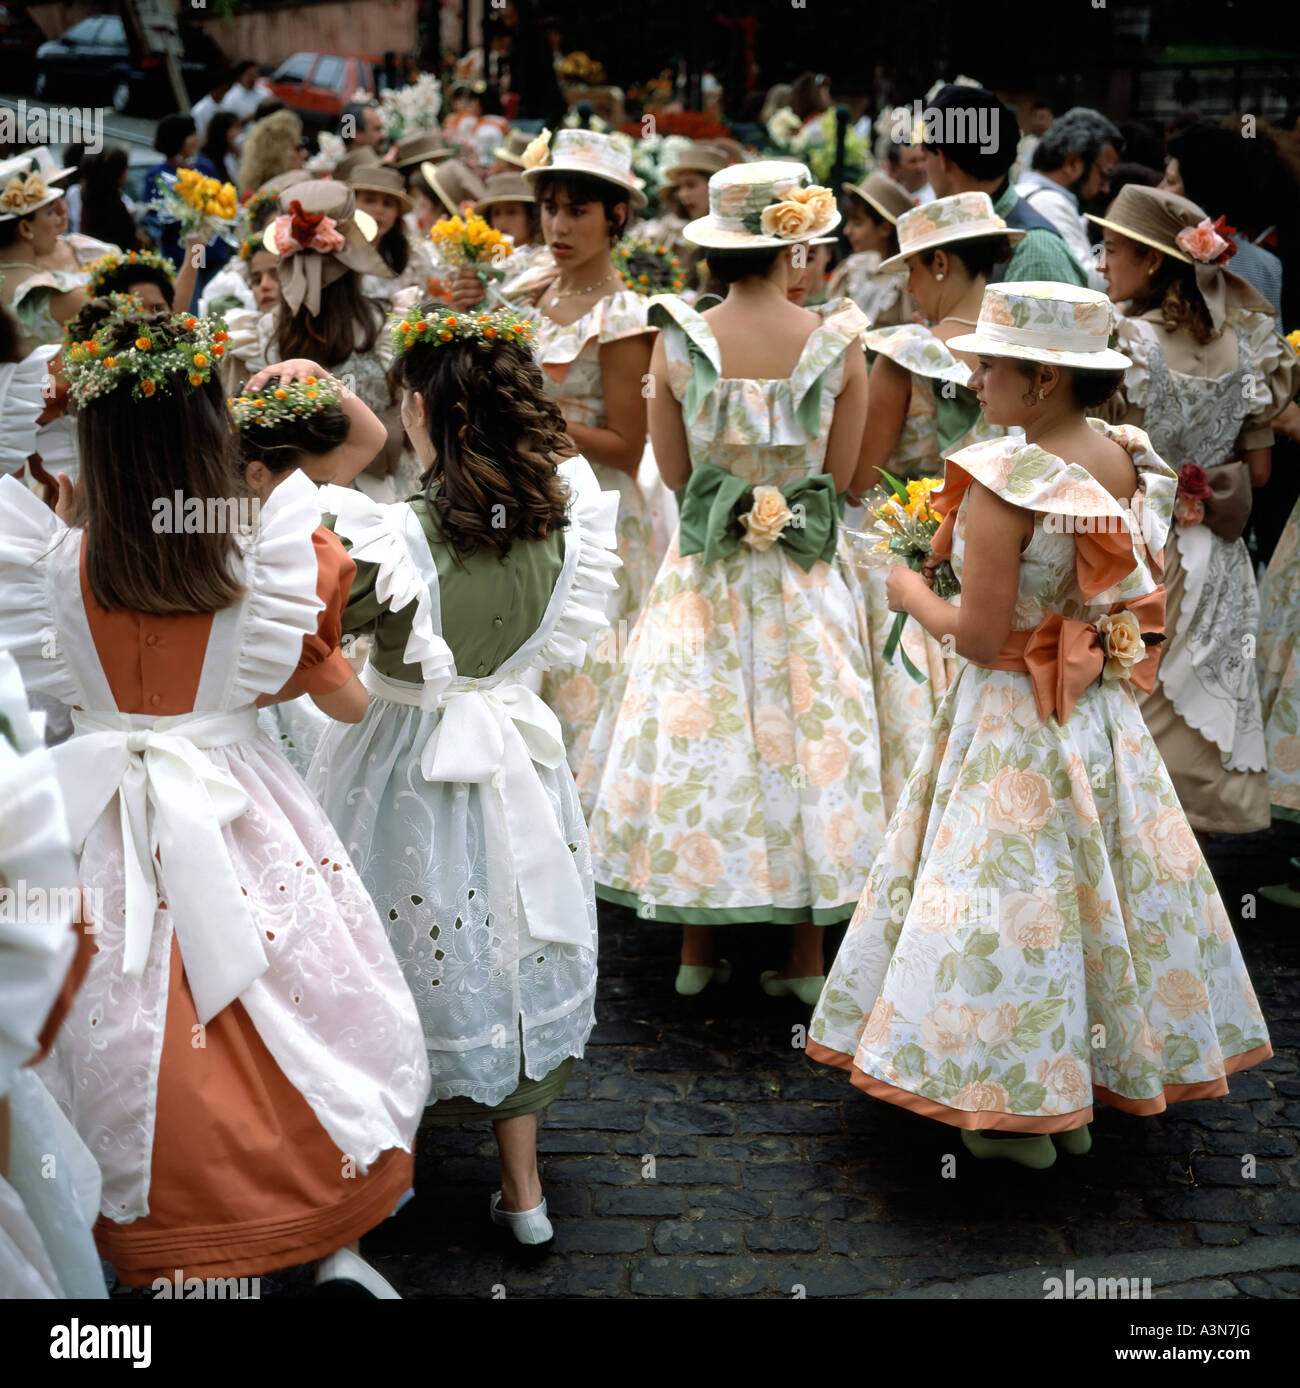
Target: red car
[318, 85]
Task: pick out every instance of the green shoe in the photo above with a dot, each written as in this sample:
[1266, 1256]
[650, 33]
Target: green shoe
[695, 978]
[807, 990]
[1035, 1151]
[1076, 1143]
[1282, 894]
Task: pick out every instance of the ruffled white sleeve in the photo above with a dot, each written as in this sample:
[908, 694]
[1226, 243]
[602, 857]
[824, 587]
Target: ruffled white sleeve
[33, 541]
[281, 574]
[1136, 338]
[1274, 374]
[579, 602]
[23, 387]
[391, 538]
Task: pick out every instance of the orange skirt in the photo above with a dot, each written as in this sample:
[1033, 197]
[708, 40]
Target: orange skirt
[245, 1179]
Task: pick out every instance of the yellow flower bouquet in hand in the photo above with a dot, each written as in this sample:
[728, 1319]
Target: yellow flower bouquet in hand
[470, 242]
[901, 526]
[203, 206]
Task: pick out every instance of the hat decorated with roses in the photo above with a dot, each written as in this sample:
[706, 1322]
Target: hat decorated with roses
[585, 152]
[1179, 228]
[1039, 320]
[771, 202]
[961, 217]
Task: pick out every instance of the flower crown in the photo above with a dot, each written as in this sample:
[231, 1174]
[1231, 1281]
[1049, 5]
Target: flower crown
[291, 400]
[97, 365]
[446, 325]
[647, 268]
[251, 211]
[107, 266]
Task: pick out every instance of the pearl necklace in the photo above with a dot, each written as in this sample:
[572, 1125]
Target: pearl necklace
[578, 293]
[952, 318]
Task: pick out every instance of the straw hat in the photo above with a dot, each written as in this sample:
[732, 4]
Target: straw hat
[1179, 228]
[962, 217]
[699, 158]
[504, 187]
[512, 151]
[25, 189]
[416, 149]
[1037, 320]
[766, 203]
[454, 184]
[320, 208]
[588, 153]
[881, 193]
[371, 176]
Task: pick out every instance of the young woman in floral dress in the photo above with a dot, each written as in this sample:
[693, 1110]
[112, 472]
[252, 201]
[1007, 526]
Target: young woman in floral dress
[740, 776]
[1040, 930]
[919, 411]
[1209, 374]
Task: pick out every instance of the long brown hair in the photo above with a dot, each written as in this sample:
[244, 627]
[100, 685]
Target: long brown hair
[348, 322]
[497, 436]
[137, 453]
[1173, 291]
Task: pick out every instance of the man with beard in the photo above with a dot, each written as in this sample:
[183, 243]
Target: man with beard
[1071, 172]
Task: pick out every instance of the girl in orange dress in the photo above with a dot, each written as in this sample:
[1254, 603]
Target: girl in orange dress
[244, 1059]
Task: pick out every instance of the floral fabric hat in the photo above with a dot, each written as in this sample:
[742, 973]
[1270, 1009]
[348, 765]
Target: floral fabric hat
[771, 202]
[584, 152]
[962, 217]
[1038, 320]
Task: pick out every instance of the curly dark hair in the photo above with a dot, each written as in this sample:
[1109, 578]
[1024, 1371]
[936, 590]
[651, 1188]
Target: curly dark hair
[578, 188]
[1173, 291]
[497, 436]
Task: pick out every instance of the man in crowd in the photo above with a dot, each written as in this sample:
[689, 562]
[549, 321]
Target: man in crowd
[976, 164]
[247, 91]
[207, 105]
[1071, 171]
[908, 169]
[361, 126]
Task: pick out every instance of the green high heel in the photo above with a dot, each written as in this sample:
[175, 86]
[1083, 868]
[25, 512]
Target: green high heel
[1076, 1143]
[807, 990]
[693, 979]
[1036, 1151]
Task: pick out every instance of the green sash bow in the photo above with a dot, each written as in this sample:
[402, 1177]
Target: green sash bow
[710, 504]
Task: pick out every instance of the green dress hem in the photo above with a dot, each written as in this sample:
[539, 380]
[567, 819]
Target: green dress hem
[528, 1097]
[725, 915]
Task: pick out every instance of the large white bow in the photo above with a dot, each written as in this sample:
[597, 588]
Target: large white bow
[491, 736]
[163, 766]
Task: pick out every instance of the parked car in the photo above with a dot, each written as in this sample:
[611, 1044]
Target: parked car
[319, 85]
[20, 37]
[97, 60]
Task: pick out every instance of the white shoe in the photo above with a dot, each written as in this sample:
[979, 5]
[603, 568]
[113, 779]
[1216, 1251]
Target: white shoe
[346, 1271]
[528, 1226]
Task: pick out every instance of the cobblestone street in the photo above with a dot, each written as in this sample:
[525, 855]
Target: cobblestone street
[697, 1152]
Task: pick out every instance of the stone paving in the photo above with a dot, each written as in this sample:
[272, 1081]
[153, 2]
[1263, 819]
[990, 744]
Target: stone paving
[697, 1152]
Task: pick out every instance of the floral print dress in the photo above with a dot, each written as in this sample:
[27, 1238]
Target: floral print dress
[904, 706]
[740, 776]
[570, 361]
[1040, 930]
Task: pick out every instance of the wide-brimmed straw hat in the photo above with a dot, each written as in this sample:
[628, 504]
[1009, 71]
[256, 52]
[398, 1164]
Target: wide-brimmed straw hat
[453, 183]
[370, 176]
[770, 202]
[588, 153]
[961, 217]
[699, 158]
[1179, 228]
[25, 188]
[320, 234]
[504, 187]
[1039, 320]
[883, 195]
[428, 145]
[512, 150]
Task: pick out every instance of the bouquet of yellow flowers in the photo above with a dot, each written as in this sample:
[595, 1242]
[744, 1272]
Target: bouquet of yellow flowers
[901, 529]
[469, 241]
[202, 205]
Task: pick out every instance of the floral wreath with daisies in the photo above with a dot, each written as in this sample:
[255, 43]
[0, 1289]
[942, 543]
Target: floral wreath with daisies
[268, 409]
[167, 346]
[251, 212]
[446, 325]
[100, 271]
